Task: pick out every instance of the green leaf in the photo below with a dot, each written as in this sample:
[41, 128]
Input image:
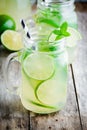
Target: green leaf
[66, 34]
[59, 37]
[48, 21]
[57, 32]
[64, 27]
[52, 48]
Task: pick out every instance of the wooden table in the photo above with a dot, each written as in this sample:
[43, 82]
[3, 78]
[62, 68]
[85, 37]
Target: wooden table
[13, 116]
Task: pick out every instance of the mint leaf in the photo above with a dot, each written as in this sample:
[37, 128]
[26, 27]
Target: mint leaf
[57, 32]
[61, 32]
[59, 37]
[66, 34]
[64, 27]
[48, 21]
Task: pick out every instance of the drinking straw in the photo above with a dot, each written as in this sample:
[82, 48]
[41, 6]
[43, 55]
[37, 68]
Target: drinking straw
[28, 34]
[25, 28]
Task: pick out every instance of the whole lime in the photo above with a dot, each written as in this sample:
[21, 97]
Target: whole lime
[6, 22]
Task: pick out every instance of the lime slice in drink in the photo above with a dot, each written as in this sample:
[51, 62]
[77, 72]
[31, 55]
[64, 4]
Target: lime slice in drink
[39, 66]
[73, 38]
[50, 92]
[12, 40]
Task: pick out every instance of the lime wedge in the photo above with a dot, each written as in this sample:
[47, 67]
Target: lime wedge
[50, 93]
[12, 40]
[73, 38]
[39, 66]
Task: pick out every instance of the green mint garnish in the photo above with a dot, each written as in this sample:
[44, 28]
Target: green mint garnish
[64, 27]
[59, 37]
[48, 21]
[57, 32]
[61, 32]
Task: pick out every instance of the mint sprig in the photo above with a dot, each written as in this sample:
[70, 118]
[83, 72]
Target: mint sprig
[50, 22]
[61, 32]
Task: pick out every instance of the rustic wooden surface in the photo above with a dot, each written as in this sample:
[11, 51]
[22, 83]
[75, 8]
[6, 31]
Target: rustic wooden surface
[13, 116]
[80, 65]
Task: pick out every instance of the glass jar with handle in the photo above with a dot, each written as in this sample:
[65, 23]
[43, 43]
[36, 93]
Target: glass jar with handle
[43, 72]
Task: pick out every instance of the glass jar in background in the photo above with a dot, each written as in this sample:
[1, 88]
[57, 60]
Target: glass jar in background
[17, 9]
[51, 14]
[55, 12]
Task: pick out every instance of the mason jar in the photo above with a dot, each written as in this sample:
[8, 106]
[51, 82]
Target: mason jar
[44, 71]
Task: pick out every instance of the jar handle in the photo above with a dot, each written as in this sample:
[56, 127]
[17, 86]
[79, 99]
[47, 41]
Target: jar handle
[12, 73]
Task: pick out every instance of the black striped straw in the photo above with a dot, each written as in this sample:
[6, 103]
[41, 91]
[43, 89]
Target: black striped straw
[25, 28]
[27, 32]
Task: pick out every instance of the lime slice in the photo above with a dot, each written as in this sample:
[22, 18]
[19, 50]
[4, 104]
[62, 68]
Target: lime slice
[73, 38]
[39, 66]
[12, 40]
[28, 98]
[50, 93]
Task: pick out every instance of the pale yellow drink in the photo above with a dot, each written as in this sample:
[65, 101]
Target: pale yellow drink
[44, 77]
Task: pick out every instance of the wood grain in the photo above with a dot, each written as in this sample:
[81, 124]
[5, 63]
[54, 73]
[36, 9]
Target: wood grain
[67, 119]
[80, 68]
[81, 7]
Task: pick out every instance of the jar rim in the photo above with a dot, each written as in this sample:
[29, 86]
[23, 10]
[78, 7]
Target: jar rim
[51, 43]
[36, 40]
[36, 43]
[59, 2]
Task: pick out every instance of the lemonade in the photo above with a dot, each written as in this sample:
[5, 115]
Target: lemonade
[17, 9]
[44, 78]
